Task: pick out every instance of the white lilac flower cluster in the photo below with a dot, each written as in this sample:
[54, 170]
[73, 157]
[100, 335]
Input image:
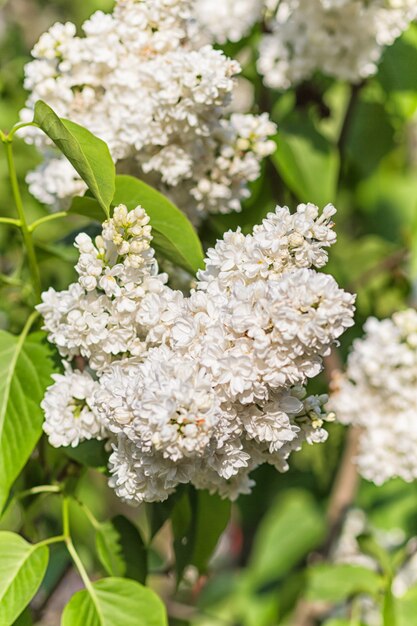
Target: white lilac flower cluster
[378, 393]
[341, 38]
[140, 79]
[202, 388]
[230, 20]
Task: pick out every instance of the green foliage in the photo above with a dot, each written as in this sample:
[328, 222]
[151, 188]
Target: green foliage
[371, 137]
[397, 76]
[173, 235]
[25, 372]
[24, 619]
[159, 512]
[334, 583]
[212, 517]
[114, 601]
[22, 568]
[292, 527]
[86, 206]
[90, 453]
[198, 521]
[307, 162]
[89, 155]
[121, 549]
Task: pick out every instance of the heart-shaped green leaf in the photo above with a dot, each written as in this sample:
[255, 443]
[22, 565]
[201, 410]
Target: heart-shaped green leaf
[115, 602]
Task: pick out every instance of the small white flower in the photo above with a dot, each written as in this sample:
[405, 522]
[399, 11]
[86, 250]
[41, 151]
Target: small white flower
[69, 418]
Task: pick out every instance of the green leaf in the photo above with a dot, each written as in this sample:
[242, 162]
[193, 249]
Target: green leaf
[86, 206]
[88, 154]
[397, 74]
[213, 516]
[198, 521]
[90, 453]
[115, 601]
[25, 372]
[306, 161]
[290, 530]
[183, 529]
[22, 568]
[158, 513]
[121, 549]
[173, 234]
[24, 619]
[371, 137]
[334, 583]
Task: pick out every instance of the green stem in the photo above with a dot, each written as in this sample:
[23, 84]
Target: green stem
[46, 218]
[17, 127]
[90, 515]
[27, 326]
[27, 237]
[34, 491]
[65, 517]
[73, 552]
[10, 220]
[10, 280]
[389, 617]
[48, 542]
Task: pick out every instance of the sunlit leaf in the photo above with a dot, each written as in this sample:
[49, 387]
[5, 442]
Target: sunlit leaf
[25, 372]
[22, 568]
[115, 601]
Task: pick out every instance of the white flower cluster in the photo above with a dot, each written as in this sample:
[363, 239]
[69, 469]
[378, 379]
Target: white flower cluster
[202, 388]
[340, 38]
[378, 393]
[230, 20]
[140, 80]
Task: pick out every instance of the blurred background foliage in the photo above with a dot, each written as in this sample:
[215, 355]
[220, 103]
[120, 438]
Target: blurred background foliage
[357, 148]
